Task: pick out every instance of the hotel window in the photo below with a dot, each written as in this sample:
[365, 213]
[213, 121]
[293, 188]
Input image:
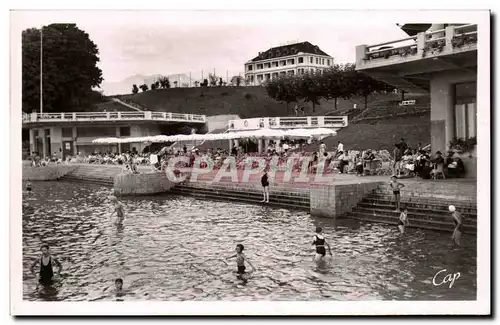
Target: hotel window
[328, 62]
[67, 132]
[259, 77]
[291, 72]
[291, 61]
[282, 63]
[47, 132]
[125, 131]
[275, 64]
[250, 67]
[259, 66]
[317, 61]
[310, 60]
[301, 60]
[465, 110]
[267, 65]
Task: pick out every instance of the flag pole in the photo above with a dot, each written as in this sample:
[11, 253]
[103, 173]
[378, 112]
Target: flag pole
[41, 70]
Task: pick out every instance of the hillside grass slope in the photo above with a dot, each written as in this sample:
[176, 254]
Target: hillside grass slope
[247, 102]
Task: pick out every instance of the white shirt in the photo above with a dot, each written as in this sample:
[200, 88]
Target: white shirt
[285, 146]
[340, 147]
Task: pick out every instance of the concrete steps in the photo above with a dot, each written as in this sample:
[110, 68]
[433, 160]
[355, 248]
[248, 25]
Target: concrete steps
[427, 206]
[296, 201]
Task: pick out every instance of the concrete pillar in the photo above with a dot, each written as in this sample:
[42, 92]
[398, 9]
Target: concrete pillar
[266, 145]
[449, 33]
[360, 54]
[230, 145]
[435, 27]
[44, 144]
[32, 140]
[75, 134]
[420, 44]
[442, 114]
[259, 144]
[118, 135]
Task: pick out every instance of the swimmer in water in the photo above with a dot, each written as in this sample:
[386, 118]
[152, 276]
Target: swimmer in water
[120, 214]
[403, 220]
[320, 243]
[28, 186]
[47, 263]
[240, 260]
[118, 285]
[458, 221]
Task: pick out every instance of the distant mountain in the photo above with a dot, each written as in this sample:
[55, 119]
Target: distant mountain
[125, 86]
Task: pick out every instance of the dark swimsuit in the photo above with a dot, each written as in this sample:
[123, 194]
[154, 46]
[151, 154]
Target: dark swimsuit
[46, 272]
[240, 261]
[320, 245]
[395, 192]
[400, 223]
[264, 181]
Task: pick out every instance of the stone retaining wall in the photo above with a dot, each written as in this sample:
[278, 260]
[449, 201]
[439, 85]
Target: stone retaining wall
[46, 173]
[332, 201]
[141, 184]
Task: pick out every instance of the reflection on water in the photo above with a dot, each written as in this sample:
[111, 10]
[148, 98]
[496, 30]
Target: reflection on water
[172, 248]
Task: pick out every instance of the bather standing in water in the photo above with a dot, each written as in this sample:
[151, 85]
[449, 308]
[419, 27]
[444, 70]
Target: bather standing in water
[47, 263]
[320, 243]
[120, 214]
[458, 221]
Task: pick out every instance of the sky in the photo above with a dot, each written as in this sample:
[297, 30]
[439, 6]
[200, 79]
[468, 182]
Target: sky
[147, 43]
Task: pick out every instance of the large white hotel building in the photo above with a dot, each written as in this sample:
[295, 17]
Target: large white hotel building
[288, 59]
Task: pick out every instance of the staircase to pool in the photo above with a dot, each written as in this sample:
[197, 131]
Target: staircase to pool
[427, 205]
[284, 197]
[97, 174]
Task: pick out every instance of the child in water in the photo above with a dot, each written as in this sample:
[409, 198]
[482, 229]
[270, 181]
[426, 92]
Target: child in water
[120, 214]
[403, 220]
[28, 186]
[320, 243]
[240, 260]
[118, 285]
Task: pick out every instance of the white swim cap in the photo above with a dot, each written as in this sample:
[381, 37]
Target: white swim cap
[451, 208]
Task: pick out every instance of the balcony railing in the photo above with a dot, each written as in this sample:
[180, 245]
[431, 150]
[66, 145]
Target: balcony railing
[448, 40]
[335, 122]
[112, 116]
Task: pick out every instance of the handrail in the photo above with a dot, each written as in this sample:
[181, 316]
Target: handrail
[392, 48]
[392, 42]
[105, 116]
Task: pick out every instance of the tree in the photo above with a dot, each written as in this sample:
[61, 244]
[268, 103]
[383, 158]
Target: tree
[175, 84]
[135, 90]
[283, 89]
[236, 81]
[310, 88]
[69, 68]
[221, 83]
[366, 85]
[144, 87]
[164, 82]
[153, 86]
[204, 83]
[213, 80]
[339, 82]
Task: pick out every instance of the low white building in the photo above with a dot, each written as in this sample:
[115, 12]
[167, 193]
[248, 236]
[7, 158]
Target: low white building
[291, 59]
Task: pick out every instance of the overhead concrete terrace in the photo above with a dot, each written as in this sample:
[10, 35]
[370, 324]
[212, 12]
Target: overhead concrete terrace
[411, 62]
[35, 119]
